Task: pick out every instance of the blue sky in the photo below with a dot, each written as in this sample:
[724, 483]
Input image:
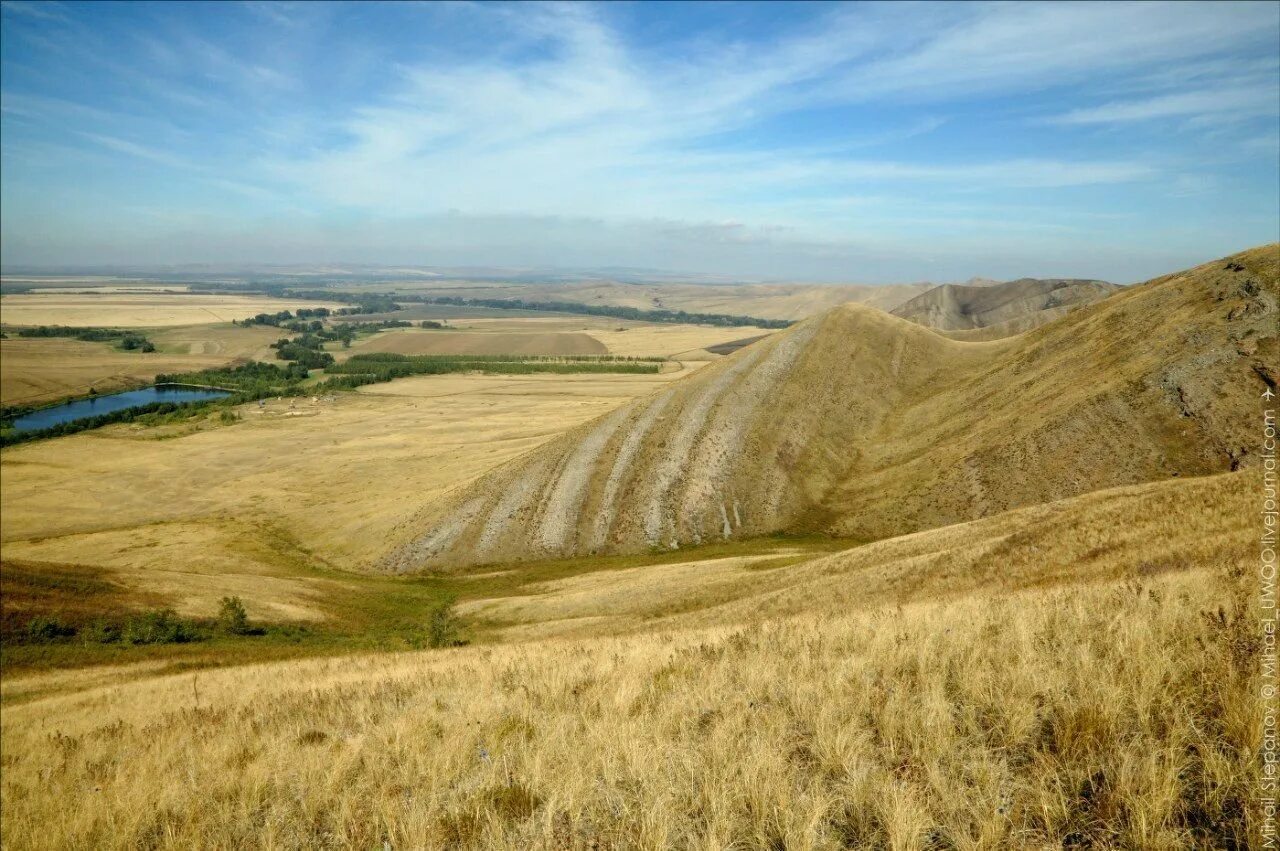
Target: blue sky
[841, 142]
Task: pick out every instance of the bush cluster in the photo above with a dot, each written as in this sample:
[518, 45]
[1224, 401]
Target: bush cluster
[158, 626]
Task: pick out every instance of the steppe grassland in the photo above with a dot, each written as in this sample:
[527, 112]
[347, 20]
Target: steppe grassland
[256, 507]
[35, 370]
[1043, 545]
[623, 337]
[1012, 709]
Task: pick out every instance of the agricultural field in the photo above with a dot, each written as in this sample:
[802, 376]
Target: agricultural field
[622, 337]
[36, 370]
[138, 310]
[407, 341]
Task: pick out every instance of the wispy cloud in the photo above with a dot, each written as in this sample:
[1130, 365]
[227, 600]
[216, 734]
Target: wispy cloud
[1210, 104]
[47, 10]
[770, 131]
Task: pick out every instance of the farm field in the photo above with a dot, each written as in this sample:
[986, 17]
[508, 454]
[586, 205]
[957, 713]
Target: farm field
[406, 341]
[150, 310]
[35, 370]
[557, 336]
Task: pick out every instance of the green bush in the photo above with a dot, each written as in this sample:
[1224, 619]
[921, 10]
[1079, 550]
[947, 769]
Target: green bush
[232, 618]
[443, 627]
[102, 632]
[159, 627]
[41, 630]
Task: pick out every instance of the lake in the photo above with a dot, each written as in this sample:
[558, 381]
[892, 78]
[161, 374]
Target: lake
[107, 404]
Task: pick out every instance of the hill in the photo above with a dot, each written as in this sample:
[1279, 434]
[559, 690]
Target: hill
[1043, 679]
[1003, 309]
[863, 424]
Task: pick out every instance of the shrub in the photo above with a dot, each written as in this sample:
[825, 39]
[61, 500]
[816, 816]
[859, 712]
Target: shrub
[159, 627]
[101, 632]
[444, 628]
[232, 618]
[44, 629]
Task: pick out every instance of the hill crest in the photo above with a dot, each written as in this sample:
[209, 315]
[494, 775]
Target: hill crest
[865, 424]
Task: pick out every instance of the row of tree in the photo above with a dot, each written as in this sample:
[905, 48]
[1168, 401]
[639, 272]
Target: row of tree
[128, 340]
[611, 310]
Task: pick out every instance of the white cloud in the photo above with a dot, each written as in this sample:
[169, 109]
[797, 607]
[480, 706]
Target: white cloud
[1216, 104]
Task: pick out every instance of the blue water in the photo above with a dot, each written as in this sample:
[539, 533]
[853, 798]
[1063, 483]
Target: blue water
[98, 405]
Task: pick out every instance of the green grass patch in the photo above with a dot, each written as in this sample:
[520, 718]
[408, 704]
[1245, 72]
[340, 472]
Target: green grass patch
[364, 613]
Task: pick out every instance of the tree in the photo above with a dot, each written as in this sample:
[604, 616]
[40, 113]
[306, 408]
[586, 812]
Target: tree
[232, 618]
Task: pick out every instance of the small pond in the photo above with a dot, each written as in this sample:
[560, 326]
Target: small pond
[97, 405]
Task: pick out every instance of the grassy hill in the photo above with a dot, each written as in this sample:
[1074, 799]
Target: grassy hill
[862, 424]
[1074, 675]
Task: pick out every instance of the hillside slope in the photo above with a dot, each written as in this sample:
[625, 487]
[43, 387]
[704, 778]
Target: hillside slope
[1045, 679]
[1006, 308]
[864, 424]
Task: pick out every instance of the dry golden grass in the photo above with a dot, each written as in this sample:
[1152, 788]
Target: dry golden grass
[409, 341]
[1113, 713]
[99, 309]
[767, 301]
[254, 507]
[43, 369]
[1072, 674]
[1106, 535]
[622, 337]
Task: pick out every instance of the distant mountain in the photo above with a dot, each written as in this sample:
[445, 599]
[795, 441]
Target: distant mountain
[860, 423]
[1011, 307]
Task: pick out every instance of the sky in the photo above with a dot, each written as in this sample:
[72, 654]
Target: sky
[800, 141]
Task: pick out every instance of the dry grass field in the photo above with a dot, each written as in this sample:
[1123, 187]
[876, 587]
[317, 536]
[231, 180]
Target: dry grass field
[863, 705]
[138, 310]
[201, 510]
[766, 301]
[407, 341]
[621, 337]
[34, 370]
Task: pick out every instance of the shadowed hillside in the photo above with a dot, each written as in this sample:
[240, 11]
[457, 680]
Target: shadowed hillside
[864, 424]
[1001, 309]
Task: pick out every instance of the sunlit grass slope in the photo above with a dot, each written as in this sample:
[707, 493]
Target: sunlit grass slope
[890, 696]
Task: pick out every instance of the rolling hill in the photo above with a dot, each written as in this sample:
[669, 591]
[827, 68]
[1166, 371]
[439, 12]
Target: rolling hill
[863, 424]
[1000, 309]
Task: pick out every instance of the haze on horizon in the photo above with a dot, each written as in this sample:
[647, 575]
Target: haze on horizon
[861, 142]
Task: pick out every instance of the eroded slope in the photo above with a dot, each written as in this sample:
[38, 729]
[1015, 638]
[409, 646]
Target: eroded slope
[868, 425]
[1005, 308]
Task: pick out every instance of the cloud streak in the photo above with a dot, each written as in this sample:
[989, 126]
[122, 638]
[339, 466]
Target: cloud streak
[753, 126]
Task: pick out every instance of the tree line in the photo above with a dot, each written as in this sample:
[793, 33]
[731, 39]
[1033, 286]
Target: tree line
[126, 340]
[611, 310]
